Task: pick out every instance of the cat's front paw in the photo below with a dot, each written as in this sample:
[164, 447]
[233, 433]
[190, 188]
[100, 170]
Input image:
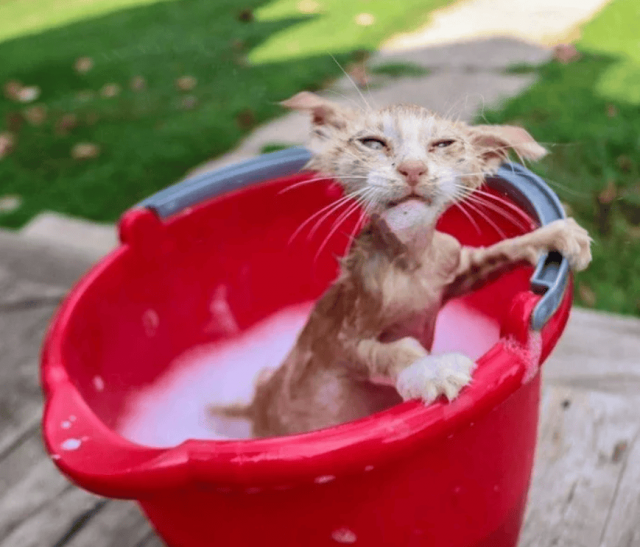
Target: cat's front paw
[573, 242]
[432, 376]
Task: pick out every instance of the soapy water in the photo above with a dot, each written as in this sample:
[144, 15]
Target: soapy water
[174, 408]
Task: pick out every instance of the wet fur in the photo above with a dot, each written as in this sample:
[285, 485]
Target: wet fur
[365, 345]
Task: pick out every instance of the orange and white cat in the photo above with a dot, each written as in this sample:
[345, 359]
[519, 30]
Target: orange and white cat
[365, 346]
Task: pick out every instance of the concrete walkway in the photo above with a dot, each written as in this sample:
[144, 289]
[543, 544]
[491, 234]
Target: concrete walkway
[547, 22]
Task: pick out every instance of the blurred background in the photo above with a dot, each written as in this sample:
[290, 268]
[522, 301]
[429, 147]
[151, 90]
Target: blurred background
[106, 101]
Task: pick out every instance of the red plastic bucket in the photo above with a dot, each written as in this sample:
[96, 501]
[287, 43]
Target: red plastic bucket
[447, 475]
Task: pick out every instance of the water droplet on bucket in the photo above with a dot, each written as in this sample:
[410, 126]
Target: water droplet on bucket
[71, 444]
[323, 479]
[98, 383]
[65, 425]
[343, 535]
[150, 321]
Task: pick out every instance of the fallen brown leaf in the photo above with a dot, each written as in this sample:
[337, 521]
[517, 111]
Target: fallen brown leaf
[633, 232]
[358, 73]
[138, 83]
[186, 83]
[29, 94]
[85, 150]
[308, 6]
[246, 119]
[12, 90]
[83, 64]
[625, 163]
[110, 90]
[246, 16]
[188, 102]
[36, 115]
[66, 123]
[8, 204]
[566, 53]
[14, 121]
[365, 19]
[7, 143]
[587, 295]
[609, 193]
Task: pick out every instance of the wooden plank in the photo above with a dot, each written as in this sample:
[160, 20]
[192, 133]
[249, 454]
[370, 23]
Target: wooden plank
[119, 524]
[578, 466]
[586, 356]
[43, 496]
[623, 524]
[53, 519]
[25, 312]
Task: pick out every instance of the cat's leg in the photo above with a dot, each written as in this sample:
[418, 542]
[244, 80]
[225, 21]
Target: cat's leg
[481, 264]
[415, 373]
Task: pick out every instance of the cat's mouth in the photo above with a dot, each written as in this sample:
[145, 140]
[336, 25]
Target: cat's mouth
[415, 197]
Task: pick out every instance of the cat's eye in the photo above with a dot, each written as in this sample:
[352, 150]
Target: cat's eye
[373, 143]
[443, 143]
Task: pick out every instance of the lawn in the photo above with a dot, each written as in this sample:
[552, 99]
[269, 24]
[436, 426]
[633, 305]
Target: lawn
[588, 112]
[170, 84]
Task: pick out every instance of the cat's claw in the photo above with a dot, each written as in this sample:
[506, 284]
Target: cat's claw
[432, 376]
[573, 242]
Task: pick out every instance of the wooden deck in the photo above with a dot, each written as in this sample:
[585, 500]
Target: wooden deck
[586, 487]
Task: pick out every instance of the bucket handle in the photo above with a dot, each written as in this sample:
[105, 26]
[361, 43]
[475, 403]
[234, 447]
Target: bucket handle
[526, 189]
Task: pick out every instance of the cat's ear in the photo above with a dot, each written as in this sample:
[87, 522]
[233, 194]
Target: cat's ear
[495, 141]
[323, 112]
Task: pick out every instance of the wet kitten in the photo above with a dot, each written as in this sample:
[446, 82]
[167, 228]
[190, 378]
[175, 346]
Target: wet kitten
[375, 324]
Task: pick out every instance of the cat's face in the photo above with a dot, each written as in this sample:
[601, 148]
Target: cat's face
[403, 152]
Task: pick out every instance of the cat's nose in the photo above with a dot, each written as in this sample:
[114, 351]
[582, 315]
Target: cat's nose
[412, 170]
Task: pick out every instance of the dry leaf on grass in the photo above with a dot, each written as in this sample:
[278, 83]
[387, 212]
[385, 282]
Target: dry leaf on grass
[8, 204]
[246, 16]
[66, 123]
[188, 102]
[308, 6]
[36, 115]
[609, 193]
[358, 73]
[566, 53]
[186, 83]
[7, 144]
[365, 19]
[138, 83]
[83, 64]
[587, 295]
[29, 94]
[85, 150]
[110, 90]
[12, 90]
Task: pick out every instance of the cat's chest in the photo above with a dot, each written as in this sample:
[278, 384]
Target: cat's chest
[418, 290]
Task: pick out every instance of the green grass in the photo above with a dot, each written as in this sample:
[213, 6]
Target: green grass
[239, 53]
[332, 25]
[273, 147]
[588, 113]
[399, 70]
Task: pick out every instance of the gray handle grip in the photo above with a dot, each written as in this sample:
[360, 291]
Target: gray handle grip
[523, 187]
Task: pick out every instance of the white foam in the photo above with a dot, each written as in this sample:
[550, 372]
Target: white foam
[173, 409]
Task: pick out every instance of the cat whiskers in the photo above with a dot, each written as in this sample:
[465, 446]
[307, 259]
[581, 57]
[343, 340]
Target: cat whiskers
[324, 178]
[341, 219]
